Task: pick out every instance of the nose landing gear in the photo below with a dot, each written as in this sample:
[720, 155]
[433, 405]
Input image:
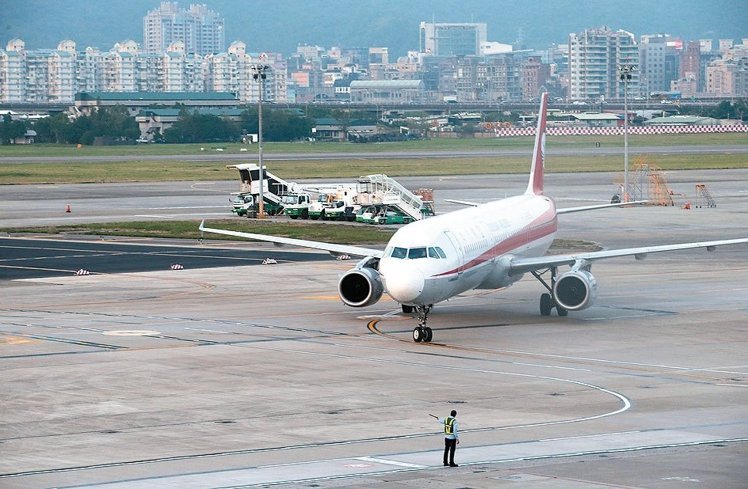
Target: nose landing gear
[422, 333]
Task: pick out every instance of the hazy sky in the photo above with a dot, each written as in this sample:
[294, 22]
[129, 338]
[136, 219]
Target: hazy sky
[280, 25]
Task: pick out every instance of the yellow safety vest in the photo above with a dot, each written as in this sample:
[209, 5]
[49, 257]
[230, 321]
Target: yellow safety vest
[449, 426]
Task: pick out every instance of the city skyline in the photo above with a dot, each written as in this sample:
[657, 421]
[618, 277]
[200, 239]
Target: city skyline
[183, 49]
[385, 23]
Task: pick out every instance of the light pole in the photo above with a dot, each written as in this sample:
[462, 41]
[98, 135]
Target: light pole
[260, 75]
[625, 71]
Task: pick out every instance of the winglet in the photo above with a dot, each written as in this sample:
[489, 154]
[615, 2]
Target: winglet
[535, 186]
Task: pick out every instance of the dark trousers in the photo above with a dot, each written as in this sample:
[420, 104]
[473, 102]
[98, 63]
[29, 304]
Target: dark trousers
[449, 448]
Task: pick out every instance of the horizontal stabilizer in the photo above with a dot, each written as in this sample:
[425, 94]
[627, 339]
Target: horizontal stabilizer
[569, 210]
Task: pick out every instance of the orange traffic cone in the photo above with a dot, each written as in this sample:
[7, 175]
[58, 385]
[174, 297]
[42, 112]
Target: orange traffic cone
[68, 209]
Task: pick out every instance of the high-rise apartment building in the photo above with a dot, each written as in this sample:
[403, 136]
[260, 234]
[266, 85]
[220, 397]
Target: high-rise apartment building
[652, 61]
[451, 39]
[200, 29]
[690, 61]
[595, 56]
[729, 76]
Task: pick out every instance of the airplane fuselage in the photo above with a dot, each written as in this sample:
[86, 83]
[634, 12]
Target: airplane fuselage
[429, 261]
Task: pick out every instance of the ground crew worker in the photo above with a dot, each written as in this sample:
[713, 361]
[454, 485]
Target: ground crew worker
[451, 437]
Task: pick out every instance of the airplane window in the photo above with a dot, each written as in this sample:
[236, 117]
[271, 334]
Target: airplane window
[441, 252]
[414, 253]
[433, 253]
[399, 252]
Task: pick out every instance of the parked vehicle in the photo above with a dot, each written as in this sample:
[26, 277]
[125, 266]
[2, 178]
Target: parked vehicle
[296, 205]
[242, 204]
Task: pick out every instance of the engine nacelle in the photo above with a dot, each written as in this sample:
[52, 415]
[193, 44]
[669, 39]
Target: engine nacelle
[360, 287]
[575, 290]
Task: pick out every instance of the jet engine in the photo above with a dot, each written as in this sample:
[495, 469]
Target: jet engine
[575, 290]
[360, 287]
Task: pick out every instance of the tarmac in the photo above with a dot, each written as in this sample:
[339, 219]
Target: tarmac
[258, 376]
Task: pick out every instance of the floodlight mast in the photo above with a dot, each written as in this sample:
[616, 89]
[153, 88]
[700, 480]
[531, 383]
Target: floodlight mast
[259, 75]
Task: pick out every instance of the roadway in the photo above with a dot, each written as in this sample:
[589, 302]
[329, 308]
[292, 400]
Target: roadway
[376, 155]
[250, 375]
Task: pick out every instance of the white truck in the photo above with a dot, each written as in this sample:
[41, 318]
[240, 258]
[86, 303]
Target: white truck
[296, 204]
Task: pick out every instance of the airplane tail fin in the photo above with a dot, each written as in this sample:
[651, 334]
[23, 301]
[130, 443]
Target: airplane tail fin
[535, 186]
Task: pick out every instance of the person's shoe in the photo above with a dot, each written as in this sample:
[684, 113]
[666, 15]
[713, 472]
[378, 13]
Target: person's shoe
[446, 464]
[453, 465]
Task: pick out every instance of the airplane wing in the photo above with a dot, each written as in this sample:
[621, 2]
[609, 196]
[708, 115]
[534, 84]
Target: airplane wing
[568, 210]
[561, 211]
[335, 249]
[522, 265]
[463, 202]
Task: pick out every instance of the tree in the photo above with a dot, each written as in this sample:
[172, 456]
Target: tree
[110, 122]
[10, 129]
[199, 128]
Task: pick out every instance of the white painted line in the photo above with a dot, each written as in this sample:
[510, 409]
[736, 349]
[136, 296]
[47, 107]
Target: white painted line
[391, 462]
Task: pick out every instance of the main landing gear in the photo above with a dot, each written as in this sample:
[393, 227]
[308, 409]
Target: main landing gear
[547, 301]
[422, 333]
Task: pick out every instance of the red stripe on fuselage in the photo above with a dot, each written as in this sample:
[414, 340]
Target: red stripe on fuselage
[541, 227]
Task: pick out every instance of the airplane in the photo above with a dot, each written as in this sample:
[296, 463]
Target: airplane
[484, 246]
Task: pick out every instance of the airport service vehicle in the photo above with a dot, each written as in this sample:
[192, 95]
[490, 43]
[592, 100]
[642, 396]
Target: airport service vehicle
[296, 205]
[484, 246]
[381, 214]
[242, 204]
[329, 207]
[339, 211]
[318, 207]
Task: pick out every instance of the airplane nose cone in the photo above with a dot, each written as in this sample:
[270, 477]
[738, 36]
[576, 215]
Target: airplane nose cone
[404, 285]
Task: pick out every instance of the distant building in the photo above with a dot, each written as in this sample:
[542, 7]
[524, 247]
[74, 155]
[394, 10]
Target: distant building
[729, 76]
[135, 102]
[155, 121]
[534, 76]
[440, 39]
[200, 29]
[386, 91]
[690, 62]
[653, 51]
[594, 58]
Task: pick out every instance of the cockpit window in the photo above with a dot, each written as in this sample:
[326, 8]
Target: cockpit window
[399, 252]
[414, 253]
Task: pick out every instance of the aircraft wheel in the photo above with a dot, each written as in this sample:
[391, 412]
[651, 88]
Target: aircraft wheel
[429, 335]
[418, 334]
[546, 305]
[561, 311]
[407, 309]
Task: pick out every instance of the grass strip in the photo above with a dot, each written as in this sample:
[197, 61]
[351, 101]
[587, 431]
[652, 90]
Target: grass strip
[167, 170]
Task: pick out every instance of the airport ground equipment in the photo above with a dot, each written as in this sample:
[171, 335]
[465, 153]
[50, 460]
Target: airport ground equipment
[704, 197]
[242, 204]
[647, 182]
[381, 214]
[296, 204]
[334, 201]
[381, 189]
[273, 186]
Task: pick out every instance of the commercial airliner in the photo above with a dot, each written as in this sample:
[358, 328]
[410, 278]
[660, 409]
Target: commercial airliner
[483, 246]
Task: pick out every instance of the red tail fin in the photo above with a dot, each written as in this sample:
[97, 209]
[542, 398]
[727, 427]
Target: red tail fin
[535, 186]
